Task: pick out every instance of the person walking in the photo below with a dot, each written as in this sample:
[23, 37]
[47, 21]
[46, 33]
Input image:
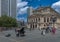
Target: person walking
[17, 32]
[43, 31]
[53, 30]
[22, 32]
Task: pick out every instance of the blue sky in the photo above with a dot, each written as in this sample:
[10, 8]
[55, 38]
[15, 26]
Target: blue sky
[22, 6]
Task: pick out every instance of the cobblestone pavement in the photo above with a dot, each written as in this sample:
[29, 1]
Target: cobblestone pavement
[31, 36]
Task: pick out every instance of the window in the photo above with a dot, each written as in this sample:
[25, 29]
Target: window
[31, 20]
[44, 19]
[36, 26]
[45, 10]
[47, 19]
[34, 19]
[31, 26]
[38, 19]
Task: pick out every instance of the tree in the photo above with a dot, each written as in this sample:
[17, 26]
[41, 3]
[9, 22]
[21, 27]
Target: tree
[6, 21]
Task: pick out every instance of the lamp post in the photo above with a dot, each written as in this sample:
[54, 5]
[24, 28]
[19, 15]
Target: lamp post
[53, 19]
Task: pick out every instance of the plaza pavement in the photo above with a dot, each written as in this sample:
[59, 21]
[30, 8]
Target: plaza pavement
[31, 36]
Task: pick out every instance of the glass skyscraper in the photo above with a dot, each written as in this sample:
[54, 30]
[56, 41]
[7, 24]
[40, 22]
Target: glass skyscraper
[8, 7]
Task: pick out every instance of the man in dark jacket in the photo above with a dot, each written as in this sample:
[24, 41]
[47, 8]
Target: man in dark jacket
[22, 31]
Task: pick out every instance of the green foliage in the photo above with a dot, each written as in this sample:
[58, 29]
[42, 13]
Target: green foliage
[6, 21]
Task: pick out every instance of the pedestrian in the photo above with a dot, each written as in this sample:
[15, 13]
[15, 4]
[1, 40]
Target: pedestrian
[39, 28]
[17, 32]
[47, 30]
[43, 31]
[53, 30]
[22, 32]
[30, 29]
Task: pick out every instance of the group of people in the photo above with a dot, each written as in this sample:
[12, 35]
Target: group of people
[48, 29]
[20, 32]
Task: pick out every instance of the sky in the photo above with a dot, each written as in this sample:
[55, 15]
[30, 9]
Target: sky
[23, 5]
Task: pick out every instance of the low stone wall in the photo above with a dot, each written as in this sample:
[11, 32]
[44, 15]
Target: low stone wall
[7, 28]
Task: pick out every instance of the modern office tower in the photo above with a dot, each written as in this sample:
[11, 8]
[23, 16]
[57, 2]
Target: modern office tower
[29, 11]
[0, 7]
[8, 7]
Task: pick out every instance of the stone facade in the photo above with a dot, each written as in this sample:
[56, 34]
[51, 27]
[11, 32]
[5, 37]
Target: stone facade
[41, 17]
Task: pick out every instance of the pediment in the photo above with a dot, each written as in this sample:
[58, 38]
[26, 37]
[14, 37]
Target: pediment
[45, 10]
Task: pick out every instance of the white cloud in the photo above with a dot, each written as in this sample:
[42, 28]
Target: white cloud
[56, 6]
[22, 4]
[23, 10]
[22, 19]
[22, 7]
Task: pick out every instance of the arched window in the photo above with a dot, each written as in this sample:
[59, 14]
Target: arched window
[44, 19]
[35, 25]
[30, 25]
[38, 19]
[47, 19]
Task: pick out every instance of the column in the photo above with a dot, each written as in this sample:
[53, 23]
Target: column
[37, 20]
[49, 19]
